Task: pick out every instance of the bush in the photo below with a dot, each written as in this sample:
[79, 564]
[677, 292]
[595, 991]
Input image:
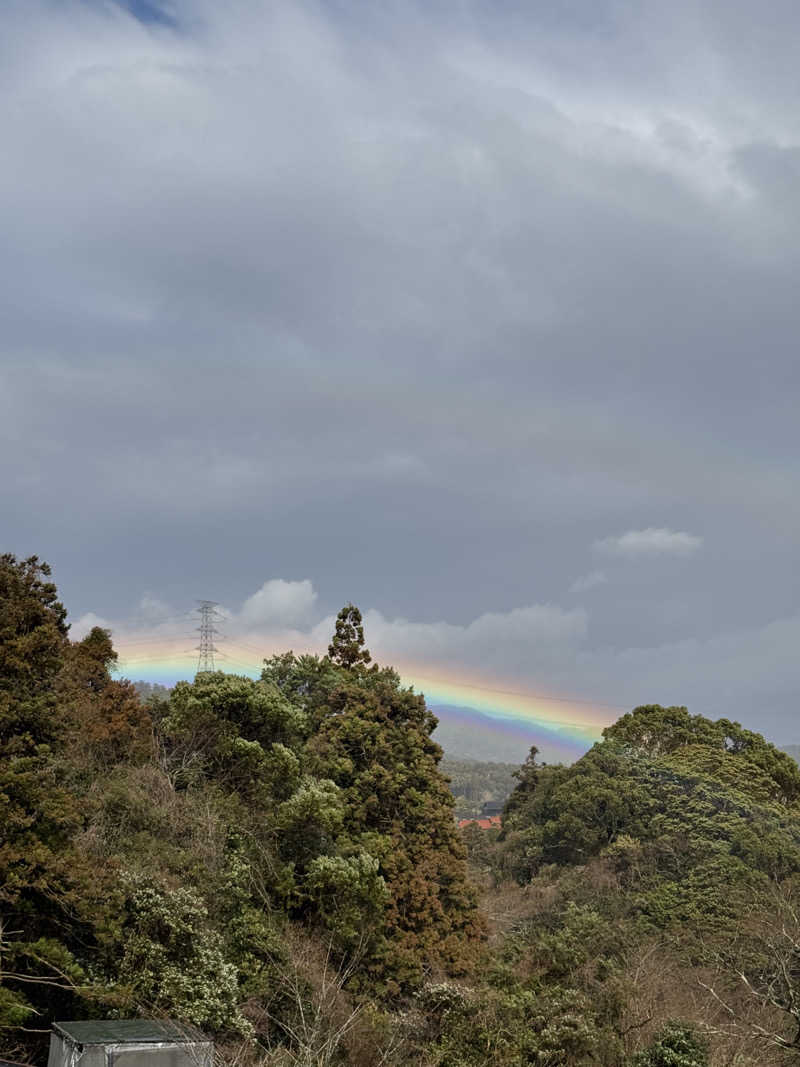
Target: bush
[676, 1045]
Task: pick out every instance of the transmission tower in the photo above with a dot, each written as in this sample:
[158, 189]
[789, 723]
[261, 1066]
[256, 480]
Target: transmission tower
[207, 629]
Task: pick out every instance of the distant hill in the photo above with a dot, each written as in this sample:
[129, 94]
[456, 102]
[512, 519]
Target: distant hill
[465, 733]
[473, 783]
[793, 751]
[150, 689]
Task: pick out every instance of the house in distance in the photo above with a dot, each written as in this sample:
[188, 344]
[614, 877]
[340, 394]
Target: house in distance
[491, 815]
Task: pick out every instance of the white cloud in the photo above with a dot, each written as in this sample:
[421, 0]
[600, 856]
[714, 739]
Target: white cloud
[517, 641]
[654, 541]
[153, 609]
[588, 581]
[86, 623]
[279, 604]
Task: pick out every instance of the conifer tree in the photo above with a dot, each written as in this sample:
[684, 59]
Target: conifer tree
[375, 744]
[39, 816]
[347, 647]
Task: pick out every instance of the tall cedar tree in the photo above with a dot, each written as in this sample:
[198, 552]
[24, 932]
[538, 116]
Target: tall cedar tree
[373, 739]
[347, 645]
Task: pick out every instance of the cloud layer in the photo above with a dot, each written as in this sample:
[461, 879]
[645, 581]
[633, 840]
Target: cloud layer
[418, 302]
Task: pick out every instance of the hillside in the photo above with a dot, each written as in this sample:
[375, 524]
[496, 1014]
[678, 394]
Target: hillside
[253, 857]
[660, 880]
[277, 861]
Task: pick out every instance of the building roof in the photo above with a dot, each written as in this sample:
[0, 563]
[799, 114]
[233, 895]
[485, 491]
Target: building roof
[122, 1031]
[482, 824]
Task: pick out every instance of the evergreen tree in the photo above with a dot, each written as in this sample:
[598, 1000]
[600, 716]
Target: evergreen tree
[33, 635]
[373, 739]
[347, 646]
[528, 778]
[39, 816]
[103, 721]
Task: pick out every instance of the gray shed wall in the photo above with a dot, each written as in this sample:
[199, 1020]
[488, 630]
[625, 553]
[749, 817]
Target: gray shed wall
[65, 1053]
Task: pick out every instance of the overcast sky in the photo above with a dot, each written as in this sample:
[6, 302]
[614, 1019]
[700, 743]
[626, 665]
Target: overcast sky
[459, 310]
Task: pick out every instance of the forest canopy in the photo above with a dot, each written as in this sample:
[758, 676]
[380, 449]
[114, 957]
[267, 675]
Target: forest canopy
[277, 860]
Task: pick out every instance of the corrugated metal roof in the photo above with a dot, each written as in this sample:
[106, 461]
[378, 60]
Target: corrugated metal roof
[120, 1031]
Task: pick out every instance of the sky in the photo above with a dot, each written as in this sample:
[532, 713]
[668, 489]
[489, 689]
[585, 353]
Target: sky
[482, 316]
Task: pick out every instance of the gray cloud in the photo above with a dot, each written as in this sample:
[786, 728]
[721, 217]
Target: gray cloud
[418, 303]
[654, 541]
[588, 581]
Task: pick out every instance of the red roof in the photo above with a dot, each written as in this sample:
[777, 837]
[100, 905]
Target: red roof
[482, 824]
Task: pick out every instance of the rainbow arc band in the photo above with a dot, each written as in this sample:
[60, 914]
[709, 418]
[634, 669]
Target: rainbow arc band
[568, 725]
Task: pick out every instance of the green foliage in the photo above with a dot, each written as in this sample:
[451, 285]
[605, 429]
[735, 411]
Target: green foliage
[528, 779]
[173, 962]
[375, 744]
[715, 748]
[513, 1026]
[275, 860]
[227, 727]
[347, 649]
[102, 720]
[309, 822]
[673, 827]
[33, 632]
[690, 791]
[372, 739]
[39, 878]
[14, 1010]
[350, 895]
[675, 1045]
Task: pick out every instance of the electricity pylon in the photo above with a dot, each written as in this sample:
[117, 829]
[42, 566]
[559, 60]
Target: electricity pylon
[207, 629]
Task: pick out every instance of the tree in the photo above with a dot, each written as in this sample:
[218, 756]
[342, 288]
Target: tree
[528, 778]
[171, 961]
[39, 817]
[374, 741]
[372, 738]
[33, 635]
[347, 646]
[757, 979]
[103, 721]
[675, 1045]
[238, 732]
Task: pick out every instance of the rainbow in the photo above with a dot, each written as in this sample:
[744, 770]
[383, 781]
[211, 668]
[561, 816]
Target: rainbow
[494, 722]
[492, 717]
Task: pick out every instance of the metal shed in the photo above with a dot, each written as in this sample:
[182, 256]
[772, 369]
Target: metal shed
[129, 1043]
